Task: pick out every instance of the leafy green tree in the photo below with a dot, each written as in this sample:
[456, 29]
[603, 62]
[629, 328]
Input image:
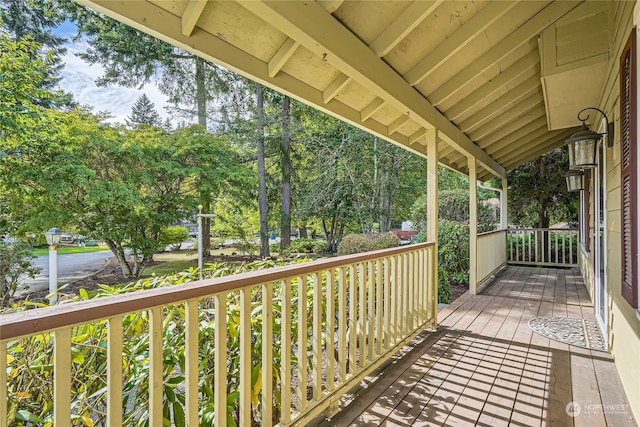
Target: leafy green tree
[144, 112]
[538, 193]
[119, 186]
[22, 93]
[34, 20]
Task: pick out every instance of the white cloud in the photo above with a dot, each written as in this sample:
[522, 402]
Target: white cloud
[78, 77]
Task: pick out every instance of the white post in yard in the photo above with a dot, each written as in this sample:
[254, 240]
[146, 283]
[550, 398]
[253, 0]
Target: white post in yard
[53, 273]
[53, 238]
[201, 239]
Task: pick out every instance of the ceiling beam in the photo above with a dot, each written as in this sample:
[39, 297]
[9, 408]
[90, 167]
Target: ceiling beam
[397, 124]
[417, 136]
[525, 90]
[524, 67]
[282, 56]
[458, 40]
[556, 140]
[371, 109]
[166, 26]
[524, 34]
[321, 33]
[191, 14]
[514, 126]
[529, 133]
[528, 106]
[330, 5]
[524, 145]
[335, 87]
[402, 26]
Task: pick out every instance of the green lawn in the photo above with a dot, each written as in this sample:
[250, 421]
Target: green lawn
[172, 263]
[70, 250]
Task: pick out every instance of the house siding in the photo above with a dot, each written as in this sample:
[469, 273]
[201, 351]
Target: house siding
[623, 322]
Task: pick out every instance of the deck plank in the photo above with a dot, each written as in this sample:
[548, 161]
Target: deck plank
[484, 366]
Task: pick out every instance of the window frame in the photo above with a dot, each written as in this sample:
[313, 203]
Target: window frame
[629, 163]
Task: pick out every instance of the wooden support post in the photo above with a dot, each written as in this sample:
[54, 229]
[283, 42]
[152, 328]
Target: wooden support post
[473, 225]
[432, 220]
[504, 217]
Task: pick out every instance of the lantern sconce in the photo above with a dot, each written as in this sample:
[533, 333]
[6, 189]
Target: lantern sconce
[584, 143]
[575, 181]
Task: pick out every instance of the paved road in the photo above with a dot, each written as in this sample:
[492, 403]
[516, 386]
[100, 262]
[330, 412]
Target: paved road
[70, 267]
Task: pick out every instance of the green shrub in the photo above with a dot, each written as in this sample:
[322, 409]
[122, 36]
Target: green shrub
[15, 266]
[303, 246]
[30, 360]
[357, 243]
[444, 286]
[453, 250]
[173, 237]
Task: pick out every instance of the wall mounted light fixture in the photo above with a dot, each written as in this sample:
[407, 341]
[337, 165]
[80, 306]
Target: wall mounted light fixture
[575, 180]
[584, 143]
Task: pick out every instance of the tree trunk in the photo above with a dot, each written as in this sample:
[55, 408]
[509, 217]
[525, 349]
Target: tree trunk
[205, 201]
[285, 214]
[262, 199]
[118, 251]
[303, 232]
[201, 93]
[201, 107]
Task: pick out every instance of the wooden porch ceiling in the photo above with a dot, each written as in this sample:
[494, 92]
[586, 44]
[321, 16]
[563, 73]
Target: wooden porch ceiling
[470, 71]
[484, 366]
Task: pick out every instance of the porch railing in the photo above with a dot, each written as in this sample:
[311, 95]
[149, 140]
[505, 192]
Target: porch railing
[551, 247]
[303, 336]
[491, 253]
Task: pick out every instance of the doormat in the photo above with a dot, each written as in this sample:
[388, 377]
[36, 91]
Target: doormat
[578, 332]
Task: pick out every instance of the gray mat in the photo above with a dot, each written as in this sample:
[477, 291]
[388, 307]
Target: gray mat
[578, 332]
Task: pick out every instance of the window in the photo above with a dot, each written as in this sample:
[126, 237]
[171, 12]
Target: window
[629, 172]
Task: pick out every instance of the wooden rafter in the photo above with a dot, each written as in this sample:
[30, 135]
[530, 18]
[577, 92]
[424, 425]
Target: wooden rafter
[463, 36]
[403, 25]
[522, 35]
[311, 26]
[282, 56]
[191, 14]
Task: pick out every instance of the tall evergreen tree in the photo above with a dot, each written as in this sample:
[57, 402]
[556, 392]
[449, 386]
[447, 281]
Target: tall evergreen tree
[144, 112]
[262, 197]
[285, 212]
[132, 58]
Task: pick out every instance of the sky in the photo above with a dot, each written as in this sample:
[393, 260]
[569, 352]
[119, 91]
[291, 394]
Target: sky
[78, 77]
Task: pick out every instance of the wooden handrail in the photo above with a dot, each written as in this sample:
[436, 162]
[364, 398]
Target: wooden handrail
[29, 322]
[487, 233]
[542, 229]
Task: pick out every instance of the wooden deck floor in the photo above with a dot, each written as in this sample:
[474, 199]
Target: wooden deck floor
[485, 367]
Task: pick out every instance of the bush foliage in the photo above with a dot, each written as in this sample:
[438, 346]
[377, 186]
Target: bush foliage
[357, 243]
[30, 360]
[173, 237]
[15, 266]
[453, 235]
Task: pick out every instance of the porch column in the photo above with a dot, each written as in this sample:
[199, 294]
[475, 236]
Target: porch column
[504, 219]
[473, 224]
[432, 217]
